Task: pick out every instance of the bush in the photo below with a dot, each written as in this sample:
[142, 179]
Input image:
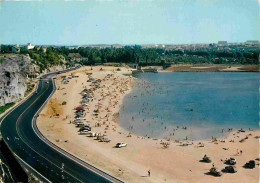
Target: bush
[5, 107]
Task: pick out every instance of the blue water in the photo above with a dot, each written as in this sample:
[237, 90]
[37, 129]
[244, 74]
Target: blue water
[204, 102]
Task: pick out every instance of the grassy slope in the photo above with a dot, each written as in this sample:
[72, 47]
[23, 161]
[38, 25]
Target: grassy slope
[7, 106]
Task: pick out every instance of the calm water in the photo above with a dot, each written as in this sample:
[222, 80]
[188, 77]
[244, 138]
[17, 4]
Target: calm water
[204, 102]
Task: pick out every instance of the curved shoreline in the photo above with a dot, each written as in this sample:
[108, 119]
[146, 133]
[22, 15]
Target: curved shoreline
[131, 163]
[158, 131]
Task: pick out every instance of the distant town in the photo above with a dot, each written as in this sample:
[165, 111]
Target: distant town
[144, 55]
[29, 46]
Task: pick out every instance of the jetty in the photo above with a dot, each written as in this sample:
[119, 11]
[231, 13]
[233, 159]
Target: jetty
[139, 69]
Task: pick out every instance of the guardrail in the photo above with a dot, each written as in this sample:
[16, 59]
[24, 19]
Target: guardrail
[16, 168]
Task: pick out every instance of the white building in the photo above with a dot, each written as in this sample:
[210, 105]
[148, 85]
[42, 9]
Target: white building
[29, 46]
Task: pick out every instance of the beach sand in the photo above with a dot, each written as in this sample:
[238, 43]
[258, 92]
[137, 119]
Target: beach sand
[212, 68]
[175, 163]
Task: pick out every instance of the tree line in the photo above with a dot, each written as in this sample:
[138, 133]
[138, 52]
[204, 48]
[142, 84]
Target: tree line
[155, 56]
[137, 54]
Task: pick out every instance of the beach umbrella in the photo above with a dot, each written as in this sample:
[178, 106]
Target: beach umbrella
[79, 108]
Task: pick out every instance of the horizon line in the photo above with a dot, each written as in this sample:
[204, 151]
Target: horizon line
[121, 44]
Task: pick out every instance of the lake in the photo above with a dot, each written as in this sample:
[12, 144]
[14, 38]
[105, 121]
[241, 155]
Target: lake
[204, 102]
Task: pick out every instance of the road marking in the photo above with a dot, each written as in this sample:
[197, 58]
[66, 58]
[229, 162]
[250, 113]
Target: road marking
[59, 149]
[32, 168]
[75, 159]
[5, 115]
[18, 132]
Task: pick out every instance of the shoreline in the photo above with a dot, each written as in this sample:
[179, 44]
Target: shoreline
[204, 68]
[131, 163]
[180, 134]
[212, 68]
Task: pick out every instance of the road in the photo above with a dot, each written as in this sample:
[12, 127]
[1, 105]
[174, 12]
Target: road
[25, 140]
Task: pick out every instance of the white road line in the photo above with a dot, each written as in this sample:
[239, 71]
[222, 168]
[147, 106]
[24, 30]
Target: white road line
[32, 168]
[5, 115]
[68, 155]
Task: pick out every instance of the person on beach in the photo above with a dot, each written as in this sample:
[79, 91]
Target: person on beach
[149, 173]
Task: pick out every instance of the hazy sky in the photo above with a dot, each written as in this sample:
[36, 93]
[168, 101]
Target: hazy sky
[128, 21]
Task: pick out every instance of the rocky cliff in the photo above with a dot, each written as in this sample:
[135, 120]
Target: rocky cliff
[54, 68]
[14, 71]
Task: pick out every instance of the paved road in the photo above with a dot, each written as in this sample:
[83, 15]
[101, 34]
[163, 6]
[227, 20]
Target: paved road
[23, 138]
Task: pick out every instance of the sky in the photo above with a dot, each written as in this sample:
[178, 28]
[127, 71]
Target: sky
[72, 22]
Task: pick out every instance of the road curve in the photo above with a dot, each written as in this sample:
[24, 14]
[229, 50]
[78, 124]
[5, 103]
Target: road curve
[21, 134]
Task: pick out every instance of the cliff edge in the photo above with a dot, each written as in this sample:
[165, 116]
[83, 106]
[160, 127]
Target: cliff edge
[14, 72]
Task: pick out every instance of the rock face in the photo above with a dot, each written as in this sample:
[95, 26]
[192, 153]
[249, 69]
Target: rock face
[54, 68]
[14, 71]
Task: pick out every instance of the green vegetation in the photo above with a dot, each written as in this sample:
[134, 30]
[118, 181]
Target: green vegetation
[43, 59]
[185, 54]
[6, 49]
[7, 106]
[2, 60]
[239, 54]
[29, 88]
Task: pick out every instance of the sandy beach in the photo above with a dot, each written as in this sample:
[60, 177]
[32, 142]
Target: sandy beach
[168, 161]
[212, 68]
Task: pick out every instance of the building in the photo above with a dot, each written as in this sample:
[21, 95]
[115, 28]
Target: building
[29, 46]
[252, 41]
[44, 49]
[222, 42]
[75, 57]
[132, 65]
[16, 49]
